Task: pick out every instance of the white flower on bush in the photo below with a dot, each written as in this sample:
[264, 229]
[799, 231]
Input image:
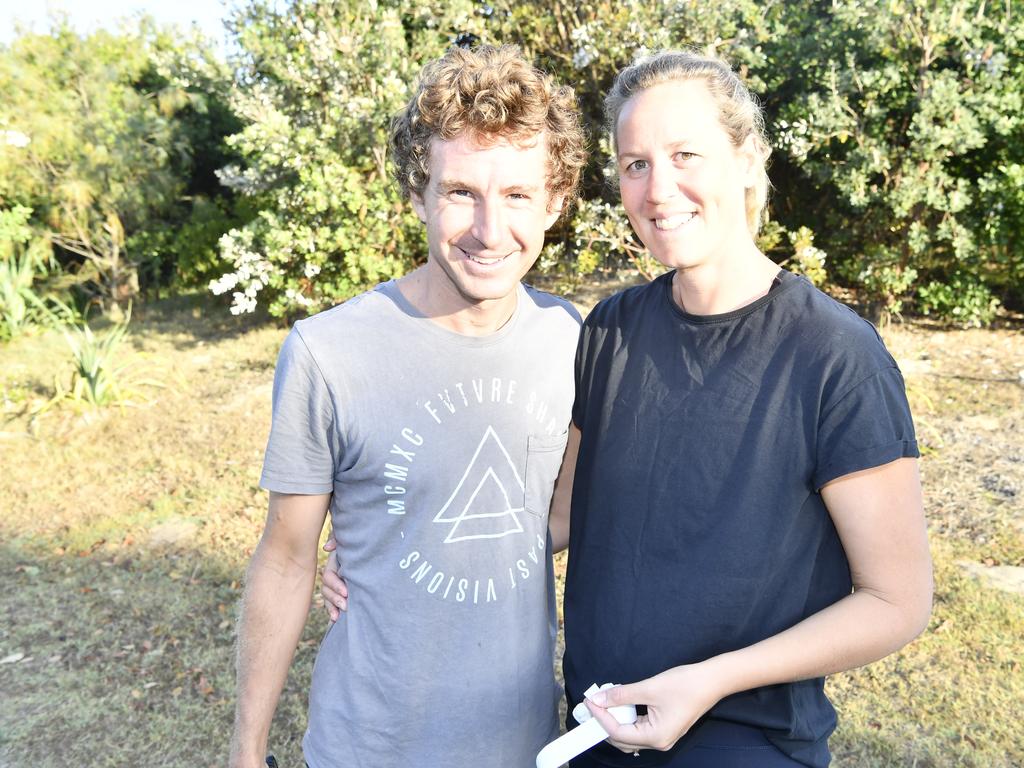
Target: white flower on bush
[583, 57]
[586, 53]
[16, 139]
[242, 304]
[247, 182]
[297, 298]
[252, 271]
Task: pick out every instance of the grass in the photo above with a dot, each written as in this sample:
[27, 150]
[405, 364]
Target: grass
[125, 534]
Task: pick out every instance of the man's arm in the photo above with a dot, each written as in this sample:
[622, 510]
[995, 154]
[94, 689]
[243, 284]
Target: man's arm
[561, 499]
[879, 516]
[275, 603]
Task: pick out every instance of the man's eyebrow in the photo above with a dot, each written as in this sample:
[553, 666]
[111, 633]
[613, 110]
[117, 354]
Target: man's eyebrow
[521, 189]
[444, 186]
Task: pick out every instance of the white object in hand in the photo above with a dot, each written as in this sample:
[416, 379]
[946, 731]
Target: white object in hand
[590, 732]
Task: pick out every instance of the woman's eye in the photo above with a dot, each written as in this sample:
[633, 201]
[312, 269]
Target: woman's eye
[637, 165]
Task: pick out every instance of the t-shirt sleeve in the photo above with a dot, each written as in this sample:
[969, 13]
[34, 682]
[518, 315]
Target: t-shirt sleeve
[300, 456]
[868, 426]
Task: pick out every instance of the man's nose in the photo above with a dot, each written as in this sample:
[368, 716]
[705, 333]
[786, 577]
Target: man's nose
[489, 223]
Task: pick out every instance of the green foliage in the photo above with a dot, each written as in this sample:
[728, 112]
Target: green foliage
[602, 235]
[321, 82]
[963, 300]
[97, 153]
[99, 377]
[193, 86]
[898, 128]
[896, 121]
[886, 282]
[95, 379]
[25, 298]
[104, 148]
[807, 260]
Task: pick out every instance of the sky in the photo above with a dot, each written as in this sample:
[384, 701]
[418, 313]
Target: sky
[87, 15]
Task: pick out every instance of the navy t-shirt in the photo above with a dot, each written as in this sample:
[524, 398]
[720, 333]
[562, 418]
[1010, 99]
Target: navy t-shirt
[697, 523]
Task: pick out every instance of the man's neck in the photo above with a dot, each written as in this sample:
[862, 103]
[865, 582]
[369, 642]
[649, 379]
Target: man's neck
[443, 305]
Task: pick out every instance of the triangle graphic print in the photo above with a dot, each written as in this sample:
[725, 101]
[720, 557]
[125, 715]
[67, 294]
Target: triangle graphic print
[488, 498]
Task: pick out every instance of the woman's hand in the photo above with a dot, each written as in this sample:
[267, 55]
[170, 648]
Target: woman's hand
[675, 699]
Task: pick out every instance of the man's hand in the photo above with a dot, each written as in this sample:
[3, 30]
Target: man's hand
[332, 587]
[674, 700]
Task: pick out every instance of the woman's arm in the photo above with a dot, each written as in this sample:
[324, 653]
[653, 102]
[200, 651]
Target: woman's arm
[879, 516]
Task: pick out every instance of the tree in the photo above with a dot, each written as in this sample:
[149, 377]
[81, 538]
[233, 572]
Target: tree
[900, 127]
[95, 162]
[317, 84]
[112, 137]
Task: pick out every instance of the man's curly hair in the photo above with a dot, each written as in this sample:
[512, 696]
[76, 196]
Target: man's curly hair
[491, 93]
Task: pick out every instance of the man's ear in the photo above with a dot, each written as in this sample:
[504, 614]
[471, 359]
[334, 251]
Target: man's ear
[555, 205]
[416, 199]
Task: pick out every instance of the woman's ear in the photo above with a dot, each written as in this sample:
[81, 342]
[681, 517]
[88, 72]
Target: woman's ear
[751, 160]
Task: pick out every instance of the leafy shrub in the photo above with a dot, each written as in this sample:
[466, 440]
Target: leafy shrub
[962, 300]
[895, 123]
[807, 260]
[25, 299]
[99, 377]
[898, 128]
[322, 82]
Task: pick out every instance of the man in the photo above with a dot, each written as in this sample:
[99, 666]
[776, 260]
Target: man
[430, 416]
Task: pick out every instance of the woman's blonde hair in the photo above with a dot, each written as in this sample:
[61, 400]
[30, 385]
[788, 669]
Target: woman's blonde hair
[491, 93]
[738, 111]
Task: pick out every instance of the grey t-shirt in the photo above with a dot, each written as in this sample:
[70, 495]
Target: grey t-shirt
[441, 451]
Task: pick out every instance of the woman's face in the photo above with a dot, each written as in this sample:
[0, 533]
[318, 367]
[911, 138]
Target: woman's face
[683, 182]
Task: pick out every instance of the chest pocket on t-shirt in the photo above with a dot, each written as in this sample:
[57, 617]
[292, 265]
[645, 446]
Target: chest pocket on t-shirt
[543, 458]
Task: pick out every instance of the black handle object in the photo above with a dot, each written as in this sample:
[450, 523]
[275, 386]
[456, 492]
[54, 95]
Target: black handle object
[271, 761]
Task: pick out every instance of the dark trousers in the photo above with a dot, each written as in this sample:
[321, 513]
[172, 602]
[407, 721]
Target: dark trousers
[717, 744]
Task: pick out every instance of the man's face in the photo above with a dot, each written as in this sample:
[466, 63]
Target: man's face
[486, 209]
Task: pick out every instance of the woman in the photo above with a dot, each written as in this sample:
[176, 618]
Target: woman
[746, 512]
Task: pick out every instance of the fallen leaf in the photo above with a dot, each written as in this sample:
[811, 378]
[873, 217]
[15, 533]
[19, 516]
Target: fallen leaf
[203, 686]
[14, 657]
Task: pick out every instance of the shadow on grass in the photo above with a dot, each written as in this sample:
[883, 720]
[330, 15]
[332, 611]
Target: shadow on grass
[127, 660]
[199, 317]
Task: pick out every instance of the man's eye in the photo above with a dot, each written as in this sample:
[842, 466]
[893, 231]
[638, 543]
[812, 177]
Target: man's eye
[684, 156]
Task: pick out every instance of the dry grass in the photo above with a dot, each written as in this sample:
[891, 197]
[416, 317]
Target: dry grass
[125, 534]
